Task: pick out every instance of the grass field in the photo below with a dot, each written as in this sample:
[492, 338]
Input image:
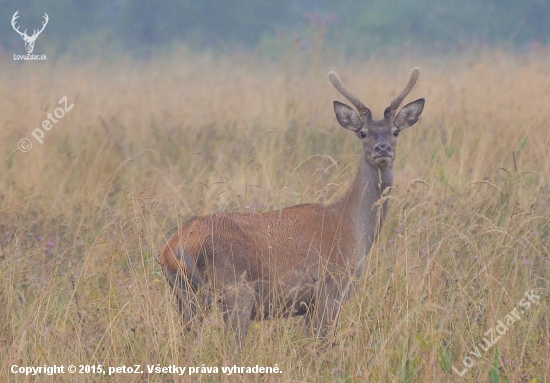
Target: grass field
[148, 145]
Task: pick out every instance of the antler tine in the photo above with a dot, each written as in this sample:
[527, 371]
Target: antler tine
[392, 109]
[44, 23]
[339, 85]
[13, 19]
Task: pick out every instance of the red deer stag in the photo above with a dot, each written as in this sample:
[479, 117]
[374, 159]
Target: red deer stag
[299, 260]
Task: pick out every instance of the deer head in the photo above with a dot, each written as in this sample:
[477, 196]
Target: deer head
[29, 40]
[379, 137]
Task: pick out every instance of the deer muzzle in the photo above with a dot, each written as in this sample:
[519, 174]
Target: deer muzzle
[383, 153]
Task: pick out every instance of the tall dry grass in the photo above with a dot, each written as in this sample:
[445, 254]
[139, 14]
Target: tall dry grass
[150, 144]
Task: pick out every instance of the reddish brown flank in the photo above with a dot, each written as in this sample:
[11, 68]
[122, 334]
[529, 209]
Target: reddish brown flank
[301, 260]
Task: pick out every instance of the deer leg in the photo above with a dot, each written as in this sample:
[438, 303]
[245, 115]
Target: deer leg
[185, 295]
[238, 302]
[327, 307]
[309, 321]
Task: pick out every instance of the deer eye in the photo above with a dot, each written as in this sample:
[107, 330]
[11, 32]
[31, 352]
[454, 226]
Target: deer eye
[362, 134]
[396, 133]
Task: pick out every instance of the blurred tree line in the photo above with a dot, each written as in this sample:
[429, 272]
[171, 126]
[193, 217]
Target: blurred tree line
[355, 26]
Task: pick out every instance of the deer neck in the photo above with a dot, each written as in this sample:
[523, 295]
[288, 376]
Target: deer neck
[358, 205]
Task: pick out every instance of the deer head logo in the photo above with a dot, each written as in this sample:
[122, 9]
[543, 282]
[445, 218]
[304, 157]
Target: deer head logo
[29, 40]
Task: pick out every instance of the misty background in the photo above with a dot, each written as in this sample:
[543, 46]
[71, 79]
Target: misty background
[351, 27]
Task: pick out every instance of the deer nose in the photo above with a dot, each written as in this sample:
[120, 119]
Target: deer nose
[382, 149]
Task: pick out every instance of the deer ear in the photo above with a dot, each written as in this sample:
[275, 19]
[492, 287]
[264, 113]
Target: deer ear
[347, 117]
[409, 114]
